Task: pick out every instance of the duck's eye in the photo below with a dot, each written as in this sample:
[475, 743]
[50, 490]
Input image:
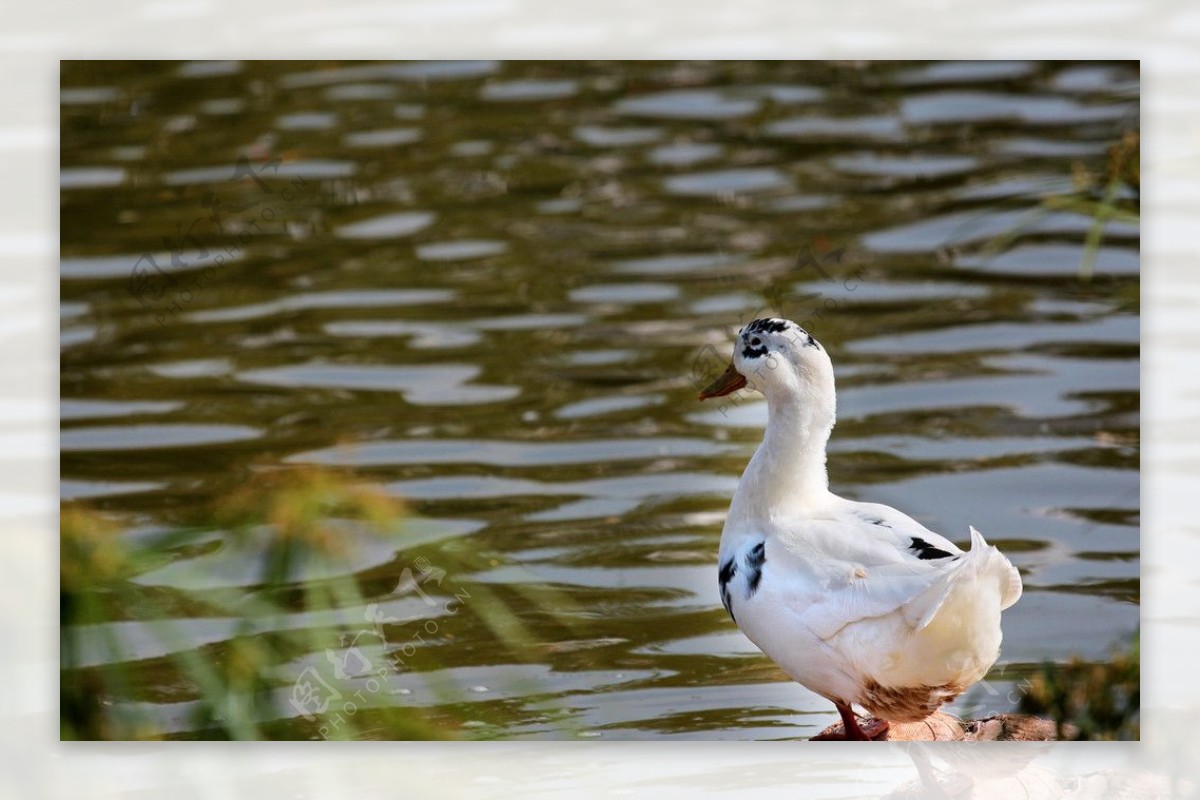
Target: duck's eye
[754, 343]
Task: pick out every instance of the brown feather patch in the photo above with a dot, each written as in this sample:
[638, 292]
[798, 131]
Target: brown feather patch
[906, 704]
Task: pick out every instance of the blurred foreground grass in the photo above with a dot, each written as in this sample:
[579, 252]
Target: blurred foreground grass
[243, 687]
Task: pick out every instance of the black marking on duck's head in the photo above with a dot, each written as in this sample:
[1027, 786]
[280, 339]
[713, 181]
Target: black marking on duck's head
[767, 325]
[924, 550]
[755, 558]
[724, 576]
[757, 336]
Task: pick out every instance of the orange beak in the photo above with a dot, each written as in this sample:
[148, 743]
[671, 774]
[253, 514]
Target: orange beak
[729, 381]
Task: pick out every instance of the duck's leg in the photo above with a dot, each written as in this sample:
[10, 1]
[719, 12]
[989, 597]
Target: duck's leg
[872, 729]
[851, 727]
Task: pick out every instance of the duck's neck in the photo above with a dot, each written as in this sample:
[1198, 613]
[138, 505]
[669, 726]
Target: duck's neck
[786, 476]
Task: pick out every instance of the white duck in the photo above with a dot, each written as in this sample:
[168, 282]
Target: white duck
[856, 601]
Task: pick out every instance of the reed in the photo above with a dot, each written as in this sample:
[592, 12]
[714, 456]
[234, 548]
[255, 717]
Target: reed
[243, 687]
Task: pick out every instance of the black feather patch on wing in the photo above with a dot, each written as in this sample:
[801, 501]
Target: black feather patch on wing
[924, 550]
[724, 576]
[754, 562]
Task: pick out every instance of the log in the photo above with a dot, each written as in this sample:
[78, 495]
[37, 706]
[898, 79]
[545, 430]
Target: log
[942, 727]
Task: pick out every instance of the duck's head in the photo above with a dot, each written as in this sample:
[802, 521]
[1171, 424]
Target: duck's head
[779, 359]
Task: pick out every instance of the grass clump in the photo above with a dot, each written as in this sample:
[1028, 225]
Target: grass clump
[1089, 701]
[293, 523]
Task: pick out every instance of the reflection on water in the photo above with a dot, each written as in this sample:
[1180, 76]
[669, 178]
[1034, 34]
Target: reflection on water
[495, 288]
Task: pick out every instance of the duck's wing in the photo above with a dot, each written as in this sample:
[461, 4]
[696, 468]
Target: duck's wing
[878, 526]
[870, 560]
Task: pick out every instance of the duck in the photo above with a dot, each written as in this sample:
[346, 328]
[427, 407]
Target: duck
[856, 601]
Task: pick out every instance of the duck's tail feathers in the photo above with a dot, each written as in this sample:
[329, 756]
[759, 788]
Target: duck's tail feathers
[981, 561]
[928, 603]
[990, 560]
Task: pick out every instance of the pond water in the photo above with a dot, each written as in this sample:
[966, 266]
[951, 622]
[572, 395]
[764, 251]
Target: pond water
[495, 288]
